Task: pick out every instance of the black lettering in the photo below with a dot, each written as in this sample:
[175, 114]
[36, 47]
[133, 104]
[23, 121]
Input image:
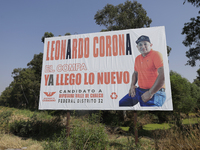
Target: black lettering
[128, 45]
[50, 80]
[68, 49]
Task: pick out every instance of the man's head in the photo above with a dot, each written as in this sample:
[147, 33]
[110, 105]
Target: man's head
[144, 45]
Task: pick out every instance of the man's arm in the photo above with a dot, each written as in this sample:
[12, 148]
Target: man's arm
[160, 80]
[134, 81]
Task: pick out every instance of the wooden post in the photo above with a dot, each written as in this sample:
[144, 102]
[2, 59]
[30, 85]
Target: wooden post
[68, 120]
[135, 127]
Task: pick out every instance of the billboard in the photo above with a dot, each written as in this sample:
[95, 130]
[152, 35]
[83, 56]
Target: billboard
[116, 70]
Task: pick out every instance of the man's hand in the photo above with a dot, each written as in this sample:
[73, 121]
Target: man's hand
[146, 96]
[132, 90]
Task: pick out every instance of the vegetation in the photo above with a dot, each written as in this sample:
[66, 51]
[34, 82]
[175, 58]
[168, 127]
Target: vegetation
[83, 135]
[86, 132]
[23, 91]
[47, 35]
[123, 16]
[191, 31]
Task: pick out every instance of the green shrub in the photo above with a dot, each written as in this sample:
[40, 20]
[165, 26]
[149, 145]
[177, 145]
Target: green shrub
[84, 134]
[4, 119]
[60, 142]
[35, 127]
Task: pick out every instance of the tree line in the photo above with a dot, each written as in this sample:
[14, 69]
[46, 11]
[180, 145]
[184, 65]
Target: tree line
[23, 91]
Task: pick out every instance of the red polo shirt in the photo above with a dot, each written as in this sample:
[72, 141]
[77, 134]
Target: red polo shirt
[147, 68]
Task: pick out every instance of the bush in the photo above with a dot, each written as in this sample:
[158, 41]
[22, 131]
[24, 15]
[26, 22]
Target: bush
[4, 119]
[83, 135]
[60, 142]
[35, 127]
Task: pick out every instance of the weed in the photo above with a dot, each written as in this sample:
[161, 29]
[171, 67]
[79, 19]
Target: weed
[186, 137]
[88, 136]
[83, 135]
[4, 120]
[35, 127]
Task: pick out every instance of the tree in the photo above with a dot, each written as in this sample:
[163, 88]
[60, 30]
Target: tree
[6, 96]
[193, 2]
[185, 96]
[184, 93]
[67, 33]
[192, 40]
[47, 35]
[192, 31]
[36, 65]
[123, 16]
[23, 91]
[168, 50]
[195, 92]
[197, 80]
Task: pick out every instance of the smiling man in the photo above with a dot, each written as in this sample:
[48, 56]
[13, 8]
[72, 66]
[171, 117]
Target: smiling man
[149, 74]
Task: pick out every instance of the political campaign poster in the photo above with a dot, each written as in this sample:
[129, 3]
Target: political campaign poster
[115, 70]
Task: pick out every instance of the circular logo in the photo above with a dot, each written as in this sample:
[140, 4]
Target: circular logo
[113, 95]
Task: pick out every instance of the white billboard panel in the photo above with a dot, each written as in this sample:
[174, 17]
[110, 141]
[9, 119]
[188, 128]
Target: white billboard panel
[96, 71]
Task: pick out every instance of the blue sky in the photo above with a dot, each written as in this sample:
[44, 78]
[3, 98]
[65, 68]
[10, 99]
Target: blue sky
[23, 23]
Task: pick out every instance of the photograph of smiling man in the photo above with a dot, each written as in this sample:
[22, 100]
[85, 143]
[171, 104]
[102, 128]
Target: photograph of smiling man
[149, 75]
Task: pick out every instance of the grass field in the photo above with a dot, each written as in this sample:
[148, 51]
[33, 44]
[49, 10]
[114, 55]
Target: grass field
[191, 121]
[164, 126]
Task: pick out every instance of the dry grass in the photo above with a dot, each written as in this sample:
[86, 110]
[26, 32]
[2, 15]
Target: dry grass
[121, 142]
[11, 141]
[176, 139]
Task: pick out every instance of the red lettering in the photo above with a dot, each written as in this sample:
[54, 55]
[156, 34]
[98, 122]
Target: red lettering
[115, 45]
[57, 50]
[80, 48]
[108, 46]
[74, 49]
[86, 49]
[95, 50]
[102, 46]
[66, 79]
[121, 45]
[46, 77]
[100, 78]
[71, 81]
[52, 49]
[47, 58]
[126, 77]
[113, 77]
[63, 49]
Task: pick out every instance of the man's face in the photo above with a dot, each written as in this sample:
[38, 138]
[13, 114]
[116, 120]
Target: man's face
[144, 47]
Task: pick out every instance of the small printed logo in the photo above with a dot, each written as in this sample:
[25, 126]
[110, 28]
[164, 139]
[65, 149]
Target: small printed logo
[49, 94]
[113, 95]
[49, 97]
